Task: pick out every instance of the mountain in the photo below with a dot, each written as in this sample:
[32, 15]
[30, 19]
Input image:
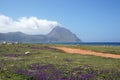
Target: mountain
[21, 37]
[58, 34]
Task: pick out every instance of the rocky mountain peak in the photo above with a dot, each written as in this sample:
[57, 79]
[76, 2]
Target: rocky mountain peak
[60, 34]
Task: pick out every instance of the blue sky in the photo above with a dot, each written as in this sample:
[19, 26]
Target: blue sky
[90, 20]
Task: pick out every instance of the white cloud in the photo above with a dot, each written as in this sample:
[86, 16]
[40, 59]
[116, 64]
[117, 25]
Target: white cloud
[30, 25]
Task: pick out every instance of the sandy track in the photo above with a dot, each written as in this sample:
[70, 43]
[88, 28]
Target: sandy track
[87, 52]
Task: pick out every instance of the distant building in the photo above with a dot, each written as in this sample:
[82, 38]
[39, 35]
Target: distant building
[9, 43]
[4, 42]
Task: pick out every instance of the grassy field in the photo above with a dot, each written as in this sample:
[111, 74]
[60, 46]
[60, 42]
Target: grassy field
[45, 63]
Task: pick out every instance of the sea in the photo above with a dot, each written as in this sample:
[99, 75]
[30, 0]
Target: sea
[89, 43]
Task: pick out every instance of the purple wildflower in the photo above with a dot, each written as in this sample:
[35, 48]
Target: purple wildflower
[87, 76]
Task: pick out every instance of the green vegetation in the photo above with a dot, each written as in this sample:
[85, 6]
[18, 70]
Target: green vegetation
[46, 63]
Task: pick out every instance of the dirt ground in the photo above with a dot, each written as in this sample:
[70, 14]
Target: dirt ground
[87, 52]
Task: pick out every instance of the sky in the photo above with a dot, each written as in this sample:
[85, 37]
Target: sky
[90, 20]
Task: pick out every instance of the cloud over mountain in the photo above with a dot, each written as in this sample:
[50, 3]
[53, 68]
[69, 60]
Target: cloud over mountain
[28, 25]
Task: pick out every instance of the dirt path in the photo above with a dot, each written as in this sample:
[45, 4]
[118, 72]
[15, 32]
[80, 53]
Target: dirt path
[87, 52]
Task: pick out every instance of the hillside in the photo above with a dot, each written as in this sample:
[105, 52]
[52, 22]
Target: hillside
[58, 34]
